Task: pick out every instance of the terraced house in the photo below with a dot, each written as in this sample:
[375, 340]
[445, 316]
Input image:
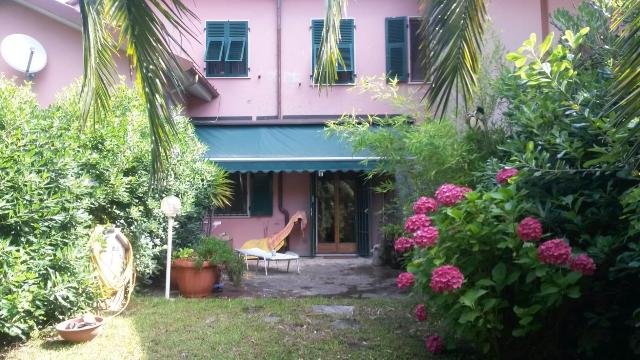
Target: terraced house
[254, 104]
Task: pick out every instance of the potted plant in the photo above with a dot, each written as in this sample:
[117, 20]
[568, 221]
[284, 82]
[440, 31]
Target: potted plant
[196, 270]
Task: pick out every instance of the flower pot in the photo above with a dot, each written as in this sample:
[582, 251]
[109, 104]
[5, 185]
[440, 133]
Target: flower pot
[79, 334]
[194, 281]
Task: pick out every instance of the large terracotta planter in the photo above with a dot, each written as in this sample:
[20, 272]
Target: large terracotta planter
[194, 281]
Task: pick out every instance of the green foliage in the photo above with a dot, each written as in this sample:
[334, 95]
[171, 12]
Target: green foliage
[508, 293]
[421, 152]
[44, 224]
[568, 146]
[60, 180]
[213, 250]
[578, 174]
[217, 252]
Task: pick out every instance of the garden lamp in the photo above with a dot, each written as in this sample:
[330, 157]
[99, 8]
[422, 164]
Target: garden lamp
[170, 206]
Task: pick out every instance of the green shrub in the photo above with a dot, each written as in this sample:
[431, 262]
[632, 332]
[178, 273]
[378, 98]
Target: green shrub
[508, 292]
[59, 180]
[578, 175]
[44, 264]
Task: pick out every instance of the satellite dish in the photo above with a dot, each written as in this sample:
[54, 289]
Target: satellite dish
[23, 53]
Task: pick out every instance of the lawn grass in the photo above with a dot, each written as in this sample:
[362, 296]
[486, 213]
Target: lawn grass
[153, 328]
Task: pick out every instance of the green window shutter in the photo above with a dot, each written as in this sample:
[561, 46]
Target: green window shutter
[346, 44]
[226, 48]
[237, 41]
[316, 39]
[215, 36]
[261, 194]
[214, 49]
[396, 46]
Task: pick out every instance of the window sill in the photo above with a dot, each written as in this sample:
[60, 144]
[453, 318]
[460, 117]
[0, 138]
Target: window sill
[220, 216]
[350, 84]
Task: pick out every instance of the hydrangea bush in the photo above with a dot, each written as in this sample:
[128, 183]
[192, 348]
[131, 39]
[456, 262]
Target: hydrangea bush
[492, 275]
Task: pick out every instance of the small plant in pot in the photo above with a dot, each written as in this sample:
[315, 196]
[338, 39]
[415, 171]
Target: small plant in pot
[197, 270]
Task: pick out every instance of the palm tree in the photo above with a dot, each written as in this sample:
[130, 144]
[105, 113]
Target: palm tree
[140, 28]
[451, 42]
[451, 45]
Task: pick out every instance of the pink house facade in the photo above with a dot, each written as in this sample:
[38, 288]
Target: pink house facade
[255, 105]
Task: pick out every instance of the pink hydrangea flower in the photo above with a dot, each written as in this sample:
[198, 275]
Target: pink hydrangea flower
[583, 263]
[421, 312]
[425, 205]
[426, 236]
[446, 278]
[554, 252]
[403, 244]
[530, 229]
[503, 176]
[416, 222]
[449, 194]
[434, 344]
[404, 280]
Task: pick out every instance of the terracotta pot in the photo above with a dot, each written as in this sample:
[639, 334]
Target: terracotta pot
[79, 335]
[194, 281]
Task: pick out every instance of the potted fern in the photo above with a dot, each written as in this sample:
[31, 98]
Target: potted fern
[196, 270]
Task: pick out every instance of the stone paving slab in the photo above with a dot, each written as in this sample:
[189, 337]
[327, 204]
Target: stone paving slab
[338, 310]
[342, 277]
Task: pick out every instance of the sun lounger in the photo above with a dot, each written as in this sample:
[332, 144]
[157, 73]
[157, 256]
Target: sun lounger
[267, 257]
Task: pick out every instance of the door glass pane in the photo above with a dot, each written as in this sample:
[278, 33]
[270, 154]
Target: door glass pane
[347, 210]
[326, 201]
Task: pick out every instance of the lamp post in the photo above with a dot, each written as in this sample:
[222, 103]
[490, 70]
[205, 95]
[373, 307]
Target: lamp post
[170, 206]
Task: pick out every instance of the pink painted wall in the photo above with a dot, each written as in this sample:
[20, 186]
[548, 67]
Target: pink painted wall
[295, 197]
[255, 95]
[62, 43]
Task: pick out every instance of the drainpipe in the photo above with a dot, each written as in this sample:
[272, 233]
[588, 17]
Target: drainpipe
[279, 57]
[281, 208]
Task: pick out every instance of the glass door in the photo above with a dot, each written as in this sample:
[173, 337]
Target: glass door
[336, 204]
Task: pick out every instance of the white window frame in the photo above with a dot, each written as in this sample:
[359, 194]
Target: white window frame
[248, 58]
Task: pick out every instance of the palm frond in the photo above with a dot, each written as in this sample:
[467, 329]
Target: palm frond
[329, 57]
[142, 30]
[626, 87]
[99, 47]
[451, 47]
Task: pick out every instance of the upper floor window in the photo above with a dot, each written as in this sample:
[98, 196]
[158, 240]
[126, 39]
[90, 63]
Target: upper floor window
[226, 48]
[403, 49]
[346, 72]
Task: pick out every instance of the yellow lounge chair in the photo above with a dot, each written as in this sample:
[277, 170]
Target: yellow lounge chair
[277, 240]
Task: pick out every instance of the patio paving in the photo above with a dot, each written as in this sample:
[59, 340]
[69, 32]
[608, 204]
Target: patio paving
[341, 277]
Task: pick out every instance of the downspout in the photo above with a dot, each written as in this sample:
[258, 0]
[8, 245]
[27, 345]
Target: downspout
[279, 57]
[281, 208]
[281, 205]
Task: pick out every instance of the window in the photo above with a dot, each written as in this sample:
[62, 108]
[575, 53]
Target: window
[239, 204]
[346, 72]
[416, 70]
[226, 50]
[403, 49]
[252, 195]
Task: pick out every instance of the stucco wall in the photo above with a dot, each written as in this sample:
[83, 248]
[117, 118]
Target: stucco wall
[255, 96]
[295, 197]
[62, 43]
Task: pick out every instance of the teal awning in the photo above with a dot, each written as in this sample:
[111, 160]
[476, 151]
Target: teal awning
[256, 148]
